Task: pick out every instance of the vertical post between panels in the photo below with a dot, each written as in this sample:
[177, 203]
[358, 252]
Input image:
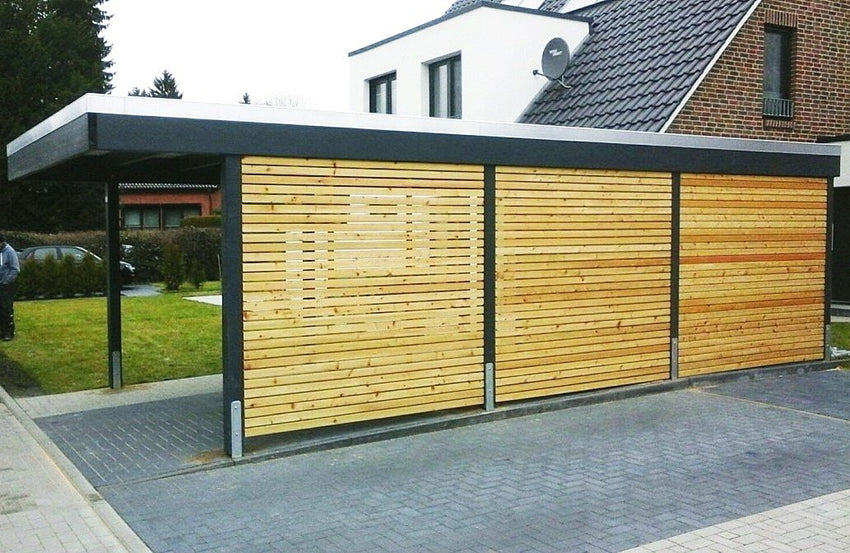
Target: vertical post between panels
[675, 239]
[113, 287]
[830, 237]
[489, 287]
[231, 314]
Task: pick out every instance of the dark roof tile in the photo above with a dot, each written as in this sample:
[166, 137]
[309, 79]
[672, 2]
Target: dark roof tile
[640, 61]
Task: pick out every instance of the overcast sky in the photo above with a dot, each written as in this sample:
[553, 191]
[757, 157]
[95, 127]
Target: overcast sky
[219, 49]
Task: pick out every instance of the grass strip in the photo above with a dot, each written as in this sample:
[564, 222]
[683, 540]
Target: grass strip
[60, 345]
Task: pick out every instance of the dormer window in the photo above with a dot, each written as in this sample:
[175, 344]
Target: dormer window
[445, 88]
[382, 94]
[778, 66]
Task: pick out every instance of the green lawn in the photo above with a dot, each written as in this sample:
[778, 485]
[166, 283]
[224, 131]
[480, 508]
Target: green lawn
[840, 335]
[60, 345]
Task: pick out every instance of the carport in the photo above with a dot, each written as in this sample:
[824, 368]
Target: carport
[377, 267]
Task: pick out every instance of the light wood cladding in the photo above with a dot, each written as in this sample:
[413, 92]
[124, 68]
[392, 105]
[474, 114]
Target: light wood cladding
[583, 280]
[363, 283]
[362, 290]
[753, 255]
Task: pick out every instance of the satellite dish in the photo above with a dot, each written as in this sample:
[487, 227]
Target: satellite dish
[556, 58]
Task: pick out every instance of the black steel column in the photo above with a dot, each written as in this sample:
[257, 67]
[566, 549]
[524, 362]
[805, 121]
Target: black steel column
[675, 240]
[830, 238]
[113, 286]
[489, 287]
[231, 314]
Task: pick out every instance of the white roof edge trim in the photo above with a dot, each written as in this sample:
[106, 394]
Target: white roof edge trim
[711, 64]
[240, 113]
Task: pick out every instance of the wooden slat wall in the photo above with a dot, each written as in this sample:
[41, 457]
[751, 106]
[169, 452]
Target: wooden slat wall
[752, 272]
[363, 290]
[583, 280]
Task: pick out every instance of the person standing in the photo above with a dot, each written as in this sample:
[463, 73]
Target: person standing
[9, 269]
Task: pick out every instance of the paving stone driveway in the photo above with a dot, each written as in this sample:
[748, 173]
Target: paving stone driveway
[604, 477]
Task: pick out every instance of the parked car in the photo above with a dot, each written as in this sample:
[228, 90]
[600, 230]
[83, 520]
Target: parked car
[40, 253]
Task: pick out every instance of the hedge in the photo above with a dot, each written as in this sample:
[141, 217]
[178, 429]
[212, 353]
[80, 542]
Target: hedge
[61, 279]
[200, 248]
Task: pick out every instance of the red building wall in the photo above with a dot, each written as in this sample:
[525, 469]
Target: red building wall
[209, 201]
[729, 102]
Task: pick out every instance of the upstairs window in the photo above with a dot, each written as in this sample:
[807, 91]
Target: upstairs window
[778, 65]
[445, 88]
[382, 94]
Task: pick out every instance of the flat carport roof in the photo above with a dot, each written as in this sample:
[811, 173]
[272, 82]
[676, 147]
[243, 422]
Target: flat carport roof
[106, 138]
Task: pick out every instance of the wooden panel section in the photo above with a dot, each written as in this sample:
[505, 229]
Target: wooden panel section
[583, 280]
[752, 272]
[363, 290]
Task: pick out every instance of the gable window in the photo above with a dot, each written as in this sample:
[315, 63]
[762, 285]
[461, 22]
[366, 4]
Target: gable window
[778, 65]
[445, 88]
[382, 94]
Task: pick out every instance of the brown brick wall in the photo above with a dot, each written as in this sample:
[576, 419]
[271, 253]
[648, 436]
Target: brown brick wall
[729, 101]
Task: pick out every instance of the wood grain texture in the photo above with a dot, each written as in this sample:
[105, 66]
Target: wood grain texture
[363, 290]
[753, 272]
[583, 280]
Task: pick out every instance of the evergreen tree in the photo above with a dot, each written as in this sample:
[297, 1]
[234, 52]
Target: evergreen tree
[52, 53]
[173, 266]
[246, 99]
[164, 86]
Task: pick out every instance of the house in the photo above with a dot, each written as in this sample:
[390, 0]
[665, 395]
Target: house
[773, 69]
[471, 64]
[163, 206]
[763, 69]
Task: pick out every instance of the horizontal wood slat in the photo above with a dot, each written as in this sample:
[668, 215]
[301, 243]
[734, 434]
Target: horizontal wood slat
[363, 290]
[582, 280]
[752, 275]
[363, 283]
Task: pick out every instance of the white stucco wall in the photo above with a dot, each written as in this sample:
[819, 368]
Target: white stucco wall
[499, 50]
[844, 179]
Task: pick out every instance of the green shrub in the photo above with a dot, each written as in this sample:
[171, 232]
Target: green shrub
[92, 276]
[146, 255]
[201, 246]
[209, 221]
[68, 283]
[195, 273]
[173, 266]
[51, 278]
[50, 281]
[29, 280]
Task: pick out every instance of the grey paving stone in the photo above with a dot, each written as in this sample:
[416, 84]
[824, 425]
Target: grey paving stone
[131, 442]
[599, 478]
[823, 392]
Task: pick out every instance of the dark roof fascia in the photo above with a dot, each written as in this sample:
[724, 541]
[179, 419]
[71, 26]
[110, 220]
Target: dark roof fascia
[135, 145]
[72, 139]
[481, 4]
